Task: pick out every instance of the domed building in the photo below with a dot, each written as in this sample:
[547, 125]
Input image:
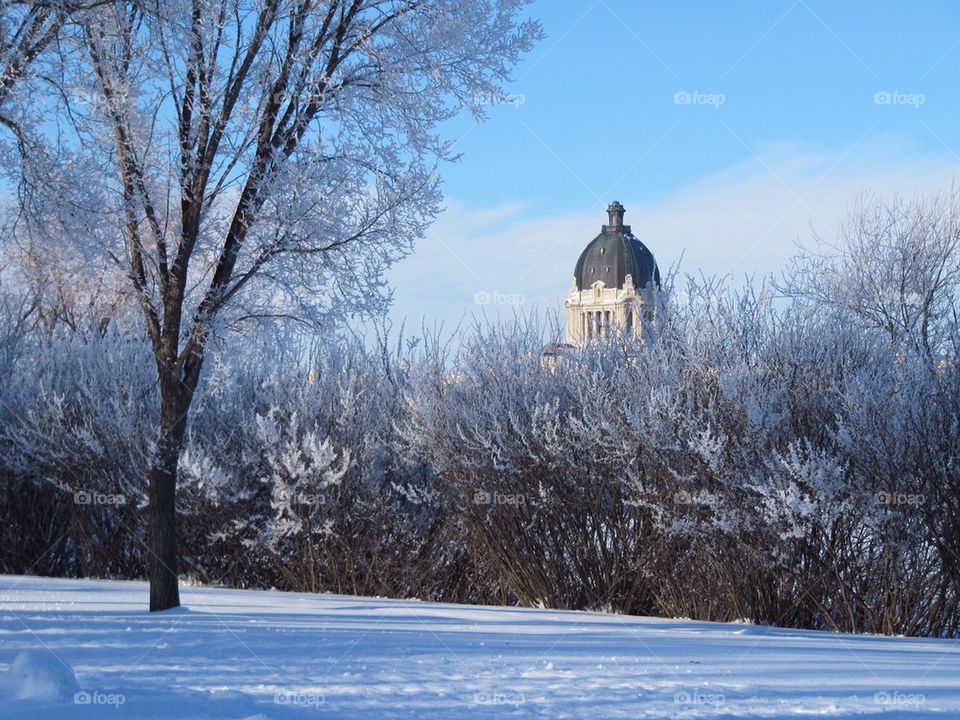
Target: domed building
[616, 284]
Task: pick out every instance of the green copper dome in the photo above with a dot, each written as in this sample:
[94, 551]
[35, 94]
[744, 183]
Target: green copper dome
[614, 254]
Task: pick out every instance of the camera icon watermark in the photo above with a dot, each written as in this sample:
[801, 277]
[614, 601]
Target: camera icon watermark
[483, 497]
[493, 98]
[92, 497]
[896, 498]
[899, 699]
[485, 297]
[895, 97]
[499, 698]
[699, 697]
[85, 697]
[299, 698]
[303, 498]
[696, 97]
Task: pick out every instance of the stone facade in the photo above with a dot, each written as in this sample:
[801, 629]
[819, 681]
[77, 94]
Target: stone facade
[602, 311]
[595, 310]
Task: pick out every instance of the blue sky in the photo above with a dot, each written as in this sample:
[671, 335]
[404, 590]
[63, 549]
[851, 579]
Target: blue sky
[730, 130]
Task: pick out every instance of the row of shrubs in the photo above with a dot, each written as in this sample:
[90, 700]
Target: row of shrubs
[742, 461]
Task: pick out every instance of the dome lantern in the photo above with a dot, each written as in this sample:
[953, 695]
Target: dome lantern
[615, 213]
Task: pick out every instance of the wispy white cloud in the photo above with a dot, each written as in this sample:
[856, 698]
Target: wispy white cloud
[744, 221]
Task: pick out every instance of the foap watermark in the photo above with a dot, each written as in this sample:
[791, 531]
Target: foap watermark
[499, 698]
[482, 497]
[682, 497]
[302, 498]
[897, 498]
[696, 97]
[92, 497]
[97, 697]
[698, 697]
[493, 98]
[895, 97]
[298, 698]
[485, 297]
[899, 699]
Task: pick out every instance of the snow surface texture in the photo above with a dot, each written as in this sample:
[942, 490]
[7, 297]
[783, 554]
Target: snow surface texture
[39, 675]
[252, 654]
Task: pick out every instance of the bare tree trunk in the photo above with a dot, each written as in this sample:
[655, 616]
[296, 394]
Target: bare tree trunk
[162, 567]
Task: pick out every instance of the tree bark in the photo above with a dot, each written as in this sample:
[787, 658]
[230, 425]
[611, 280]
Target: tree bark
[162, 545]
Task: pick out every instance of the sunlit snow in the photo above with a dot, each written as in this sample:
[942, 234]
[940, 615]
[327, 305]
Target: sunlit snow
[257, 654]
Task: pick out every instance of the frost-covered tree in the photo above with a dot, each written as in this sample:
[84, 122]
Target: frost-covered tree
[747, 461]
[895, 266]
[237, 159]
[27, 28]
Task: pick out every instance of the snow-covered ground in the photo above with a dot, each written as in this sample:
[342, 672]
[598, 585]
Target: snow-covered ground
[89, 649]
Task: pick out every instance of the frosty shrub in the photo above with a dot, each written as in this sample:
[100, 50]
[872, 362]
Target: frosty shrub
[75, 439]
[791, 463]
